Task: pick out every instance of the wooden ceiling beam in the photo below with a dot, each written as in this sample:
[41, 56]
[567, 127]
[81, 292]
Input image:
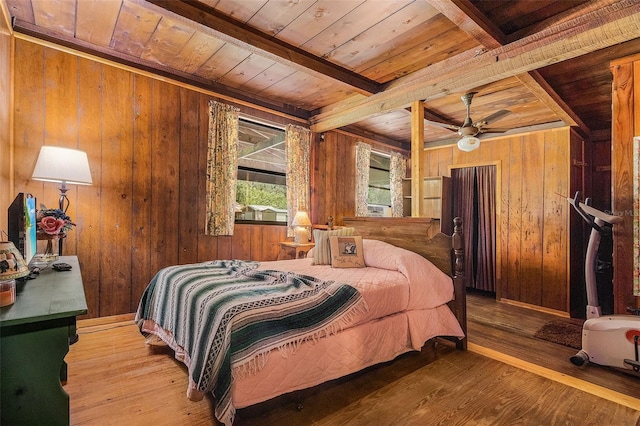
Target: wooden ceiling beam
[402, 146]
[474, 23]
[560, 18]
[244, 36]
[605, 27]
[547, 95]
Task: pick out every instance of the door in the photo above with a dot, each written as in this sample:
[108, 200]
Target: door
[474, 200]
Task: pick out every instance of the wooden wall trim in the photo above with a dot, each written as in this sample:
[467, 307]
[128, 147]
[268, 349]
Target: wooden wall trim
[7, 143]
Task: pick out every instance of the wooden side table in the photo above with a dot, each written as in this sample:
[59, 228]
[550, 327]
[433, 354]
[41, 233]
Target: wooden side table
[34, 339]
[291, 250]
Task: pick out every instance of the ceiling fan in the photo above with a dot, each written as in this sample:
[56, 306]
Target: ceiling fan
[471, 129]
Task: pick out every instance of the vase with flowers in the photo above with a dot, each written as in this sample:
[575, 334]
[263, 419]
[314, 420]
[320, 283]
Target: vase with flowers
[51, 225]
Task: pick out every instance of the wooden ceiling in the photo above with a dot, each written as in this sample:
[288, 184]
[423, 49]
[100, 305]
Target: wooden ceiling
[361, 64]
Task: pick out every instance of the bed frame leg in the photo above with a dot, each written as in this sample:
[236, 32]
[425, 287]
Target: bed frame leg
[462, 344]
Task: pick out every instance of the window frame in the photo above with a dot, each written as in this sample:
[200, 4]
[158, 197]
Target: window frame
[277, 174]
[388, 171]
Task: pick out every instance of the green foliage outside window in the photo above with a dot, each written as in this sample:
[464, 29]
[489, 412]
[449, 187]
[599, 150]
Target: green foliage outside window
[264, 194]
[379, 196]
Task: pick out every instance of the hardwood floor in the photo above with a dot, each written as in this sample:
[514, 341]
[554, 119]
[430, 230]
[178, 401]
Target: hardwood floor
[509, 329]
[115, 379]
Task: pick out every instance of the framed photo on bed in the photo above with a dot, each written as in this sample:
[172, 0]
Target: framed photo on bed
[346, 252]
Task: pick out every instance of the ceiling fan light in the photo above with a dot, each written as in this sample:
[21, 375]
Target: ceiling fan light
[468, 143]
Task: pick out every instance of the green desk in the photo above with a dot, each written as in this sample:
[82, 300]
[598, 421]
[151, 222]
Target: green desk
[34, 339]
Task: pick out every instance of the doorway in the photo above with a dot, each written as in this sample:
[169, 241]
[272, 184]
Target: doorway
[475, 201]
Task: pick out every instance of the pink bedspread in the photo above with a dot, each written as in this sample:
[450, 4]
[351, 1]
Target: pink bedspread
[406, 296]
[394, 280]
[351, 350]
[406, 300]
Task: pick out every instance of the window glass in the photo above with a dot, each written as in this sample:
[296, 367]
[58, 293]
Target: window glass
[379, 196]
[261, 189]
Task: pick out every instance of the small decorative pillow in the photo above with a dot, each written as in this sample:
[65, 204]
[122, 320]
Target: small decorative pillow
[322, 250]
[346, 252]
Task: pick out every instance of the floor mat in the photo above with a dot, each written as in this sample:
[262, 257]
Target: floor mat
[564, 332]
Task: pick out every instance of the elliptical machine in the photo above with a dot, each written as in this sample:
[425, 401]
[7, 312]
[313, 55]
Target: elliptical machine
[611, 340]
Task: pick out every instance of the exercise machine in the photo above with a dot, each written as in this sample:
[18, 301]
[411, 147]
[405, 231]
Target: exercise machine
[611, 340]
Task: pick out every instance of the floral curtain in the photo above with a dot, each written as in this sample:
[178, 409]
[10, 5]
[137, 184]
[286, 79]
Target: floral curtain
[397, 171]
[297, 153]
[222, 169]
[363, 161]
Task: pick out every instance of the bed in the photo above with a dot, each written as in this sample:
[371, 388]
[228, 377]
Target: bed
[294, 324]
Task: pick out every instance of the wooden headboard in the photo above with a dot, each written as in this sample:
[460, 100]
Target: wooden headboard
[411, 233]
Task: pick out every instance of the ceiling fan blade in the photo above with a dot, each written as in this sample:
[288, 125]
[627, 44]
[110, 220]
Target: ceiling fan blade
[494, 130]
[493, 117]
[451, 127]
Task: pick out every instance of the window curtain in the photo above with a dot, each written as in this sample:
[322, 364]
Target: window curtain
[297, 153]
[397, 171]
[363, 162]
[222, 169]
[486, 182]
[475, 202]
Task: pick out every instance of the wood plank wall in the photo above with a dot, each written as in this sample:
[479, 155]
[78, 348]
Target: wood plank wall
[333, 188]
[6, 145]
[626, 125]
[533, 220]
[146, 140]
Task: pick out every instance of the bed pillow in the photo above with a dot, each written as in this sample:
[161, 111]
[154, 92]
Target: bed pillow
[322, 250]
[346, 251]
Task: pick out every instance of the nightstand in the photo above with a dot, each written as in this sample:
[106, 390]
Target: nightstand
[291, 250]
[34, 339]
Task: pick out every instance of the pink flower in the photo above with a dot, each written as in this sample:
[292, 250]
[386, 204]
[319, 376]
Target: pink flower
[51, 225]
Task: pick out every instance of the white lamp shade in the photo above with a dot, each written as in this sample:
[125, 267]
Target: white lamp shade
[301, 219]
[56, 164]
[302, 223]
[468, 143]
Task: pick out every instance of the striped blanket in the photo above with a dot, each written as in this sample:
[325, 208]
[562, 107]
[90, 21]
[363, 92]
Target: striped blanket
[226, 316]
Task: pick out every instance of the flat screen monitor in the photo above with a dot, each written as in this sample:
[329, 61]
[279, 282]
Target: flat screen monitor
[22, 225]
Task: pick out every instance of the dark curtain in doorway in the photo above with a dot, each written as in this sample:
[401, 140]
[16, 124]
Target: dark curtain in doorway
[475, 202]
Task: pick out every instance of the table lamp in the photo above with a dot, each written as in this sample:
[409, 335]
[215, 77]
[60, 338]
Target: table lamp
[63, 165]
[301, 222]
[12, 266]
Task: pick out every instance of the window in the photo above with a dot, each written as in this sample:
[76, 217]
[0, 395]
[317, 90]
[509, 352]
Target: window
[261, 193]
[379, 196]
